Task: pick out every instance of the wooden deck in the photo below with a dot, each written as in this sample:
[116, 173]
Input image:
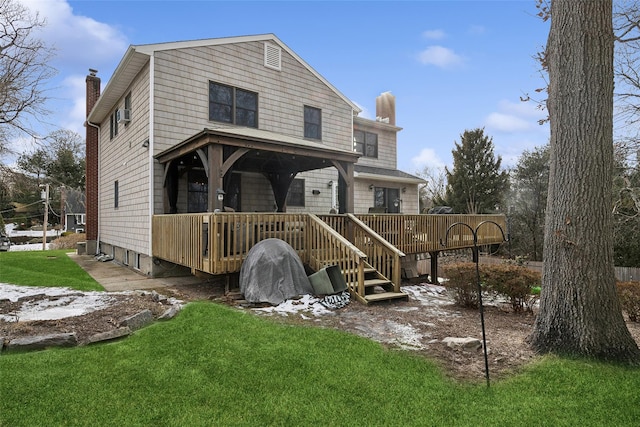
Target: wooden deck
[367, 248]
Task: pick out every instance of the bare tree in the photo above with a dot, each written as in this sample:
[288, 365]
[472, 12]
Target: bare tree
[432, 193]
[579, 309]
[24, 69]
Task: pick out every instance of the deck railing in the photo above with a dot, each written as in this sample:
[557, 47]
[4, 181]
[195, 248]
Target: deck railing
[217, 243]
[414, 234]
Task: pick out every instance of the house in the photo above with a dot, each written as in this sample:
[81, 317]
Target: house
[73, 211]
[230, 124]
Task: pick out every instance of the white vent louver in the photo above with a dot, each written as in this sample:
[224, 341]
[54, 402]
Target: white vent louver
[272, 56]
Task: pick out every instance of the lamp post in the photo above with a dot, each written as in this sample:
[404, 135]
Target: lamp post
[44, 195]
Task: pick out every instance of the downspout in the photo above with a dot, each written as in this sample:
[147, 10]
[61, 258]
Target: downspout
[151, 145]
[93, 125]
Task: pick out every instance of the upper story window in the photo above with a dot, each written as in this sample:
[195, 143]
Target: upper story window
[113, 124]
[365, 143]
[312, 122]
[229, 104]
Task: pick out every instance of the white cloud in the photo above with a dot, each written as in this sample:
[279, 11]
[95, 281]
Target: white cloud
[440, 57]
[434, 34]
[513, 117]
[506, 123]
[75, 87]
[427, 157]
[78, 40]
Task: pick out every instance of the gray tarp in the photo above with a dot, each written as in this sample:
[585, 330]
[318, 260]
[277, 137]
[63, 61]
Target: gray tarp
[273, 272]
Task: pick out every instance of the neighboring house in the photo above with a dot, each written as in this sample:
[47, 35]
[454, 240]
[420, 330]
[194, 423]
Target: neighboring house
[240, 123]
[73, 211]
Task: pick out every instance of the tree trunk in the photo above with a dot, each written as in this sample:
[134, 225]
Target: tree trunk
[579, 309]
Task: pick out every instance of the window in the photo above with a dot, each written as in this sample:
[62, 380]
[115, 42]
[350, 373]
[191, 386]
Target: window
[365, 143]
[116, 194]
[232, 105]
[127, 106]
[312, 122]
[387, 198]
[295, 197]
[113, 122]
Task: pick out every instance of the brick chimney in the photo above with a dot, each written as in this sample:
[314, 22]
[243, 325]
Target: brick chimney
[386, 108]
[91, 168]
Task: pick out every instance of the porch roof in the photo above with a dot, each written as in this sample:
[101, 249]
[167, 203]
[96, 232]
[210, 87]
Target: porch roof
[393, 175]
[265, 151]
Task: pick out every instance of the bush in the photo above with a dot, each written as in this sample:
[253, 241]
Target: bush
[629, 294]
[69, 241]
[519, 285]
[515, 282]
[462, 282]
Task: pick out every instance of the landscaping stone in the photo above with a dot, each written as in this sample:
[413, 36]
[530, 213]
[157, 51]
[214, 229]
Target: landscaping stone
[109, 335]
[40, 342]
[171, 312]
[138, 321]
[467, 343]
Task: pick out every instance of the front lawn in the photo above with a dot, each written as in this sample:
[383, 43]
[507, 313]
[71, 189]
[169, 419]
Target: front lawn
[215, 365]
[45, 268]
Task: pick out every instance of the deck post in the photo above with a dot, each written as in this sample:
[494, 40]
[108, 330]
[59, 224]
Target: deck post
[434, 267]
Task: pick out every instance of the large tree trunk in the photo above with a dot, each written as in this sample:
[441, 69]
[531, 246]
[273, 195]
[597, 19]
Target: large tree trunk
[579, 309]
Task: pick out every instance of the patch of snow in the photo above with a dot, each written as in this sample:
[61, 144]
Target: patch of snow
[306, 304]
[58, 304]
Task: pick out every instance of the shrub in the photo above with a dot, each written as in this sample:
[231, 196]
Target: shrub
[463, 283]
[629, 294]
[69, 241]
[515, 282]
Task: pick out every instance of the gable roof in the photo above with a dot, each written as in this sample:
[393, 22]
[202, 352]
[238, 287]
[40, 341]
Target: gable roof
[137, 56]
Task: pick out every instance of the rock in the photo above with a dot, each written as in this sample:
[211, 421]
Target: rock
[467, 343]
[40, 342]
[109, 335]
[170, 312]
[138, 321]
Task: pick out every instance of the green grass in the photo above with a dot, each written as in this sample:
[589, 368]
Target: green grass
[45, 268]
[214, 365]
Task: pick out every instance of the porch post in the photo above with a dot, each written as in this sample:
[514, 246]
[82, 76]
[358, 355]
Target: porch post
[345, 188]
[214, 180]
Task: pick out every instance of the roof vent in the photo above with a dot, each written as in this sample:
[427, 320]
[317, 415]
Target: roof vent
[272, 56]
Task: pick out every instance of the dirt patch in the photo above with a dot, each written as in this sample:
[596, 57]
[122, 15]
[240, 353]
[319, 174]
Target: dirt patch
[418, 325]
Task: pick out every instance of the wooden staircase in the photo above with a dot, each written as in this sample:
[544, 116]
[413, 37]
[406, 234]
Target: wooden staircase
[378, 288]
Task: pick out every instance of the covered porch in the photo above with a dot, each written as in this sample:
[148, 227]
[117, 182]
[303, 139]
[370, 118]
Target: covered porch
[208, 166]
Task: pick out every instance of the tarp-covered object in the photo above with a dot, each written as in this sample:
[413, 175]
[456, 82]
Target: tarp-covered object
[273, 272]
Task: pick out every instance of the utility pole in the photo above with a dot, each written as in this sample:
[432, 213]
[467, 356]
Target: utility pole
[44, 195]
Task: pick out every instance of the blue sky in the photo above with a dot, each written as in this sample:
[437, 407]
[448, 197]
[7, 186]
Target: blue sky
[452, 65]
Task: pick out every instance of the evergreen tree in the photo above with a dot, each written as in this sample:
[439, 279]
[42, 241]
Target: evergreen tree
[476, 184]
[530, 181]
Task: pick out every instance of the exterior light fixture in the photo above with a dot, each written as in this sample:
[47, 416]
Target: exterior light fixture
[220, 193]
[370, 187]
[145, 143]
[330, 184]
